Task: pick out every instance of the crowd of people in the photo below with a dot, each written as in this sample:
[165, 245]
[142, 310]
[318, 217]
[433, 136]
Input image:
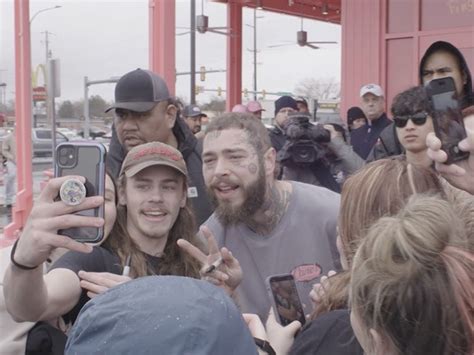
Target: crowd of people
[376, 230]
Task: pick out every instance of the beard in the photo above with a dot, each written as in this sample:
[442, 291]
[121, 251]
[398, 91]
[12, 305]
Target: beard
[254, 196]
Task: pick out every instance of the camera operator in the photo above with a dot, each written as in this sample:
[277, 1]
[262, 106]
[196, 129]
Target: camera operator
[315, 154]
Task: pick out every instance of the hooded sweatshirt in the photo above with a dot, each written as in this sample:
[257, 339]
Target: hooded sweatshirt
[467, 98]
[191, 149]
[161, 315]
[388, 144]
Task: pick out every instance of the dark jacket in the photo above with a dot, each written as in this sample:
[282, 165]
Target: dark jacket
[364, 138]
[386, 146]
[191, 149]
[277, 137]
[329, 334]
[468, 97]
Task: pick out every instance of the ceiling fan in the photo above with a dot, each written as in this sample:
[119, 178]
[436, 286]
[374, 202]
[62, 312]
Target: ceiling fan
[302, 40]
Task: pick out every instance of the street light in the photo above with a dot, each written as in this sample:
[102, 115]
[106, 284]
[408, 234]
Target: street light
[48, 108]
[43, 10]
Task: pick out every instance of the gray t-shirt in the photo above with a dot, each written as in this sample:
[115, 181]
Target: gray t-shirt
[303, 244]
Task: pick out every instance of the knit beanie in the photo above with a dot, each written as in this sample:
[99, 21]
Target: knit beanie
[285, 101]
[354, 113]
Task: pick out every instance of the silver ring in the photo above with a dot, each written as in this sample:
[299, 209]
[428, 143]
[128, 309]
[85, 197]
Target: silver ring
[72, 192]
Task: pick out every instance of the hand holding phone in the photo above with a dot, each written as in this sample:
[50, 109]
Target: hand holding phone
[447, 119]
[87, 160]
[285, 300]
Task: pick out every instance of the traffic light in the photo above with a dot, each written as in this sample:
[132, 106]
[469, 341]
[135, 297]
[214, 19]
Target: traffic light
[219, 91]
[197, 89]
[246, 92]
[263, 94]
[202, 73]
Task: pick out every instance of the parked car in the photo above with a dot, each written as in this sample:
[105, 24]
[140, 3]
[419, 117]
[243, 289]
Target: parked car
[94, 132]
[42, 139]
[71, 134]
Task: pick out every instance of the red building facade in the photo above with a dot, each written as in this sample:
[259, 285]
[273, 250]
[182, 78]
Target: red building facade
[383, 40]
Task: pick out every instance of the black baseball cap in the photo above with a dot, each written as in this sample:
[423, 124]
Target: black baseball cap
[139, 90]
[193, 111]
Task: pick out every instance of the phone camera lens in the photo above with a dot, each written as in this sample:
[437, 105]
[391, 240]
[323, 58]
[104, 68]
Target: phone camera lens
[66, 156]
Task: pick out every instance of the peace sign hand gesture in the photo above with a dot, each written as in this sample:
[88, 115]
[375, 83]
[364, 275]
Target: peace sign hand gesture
[219, 267]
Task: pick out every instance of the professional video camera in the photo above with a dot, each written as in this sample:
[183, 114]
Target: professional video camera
[305, 141]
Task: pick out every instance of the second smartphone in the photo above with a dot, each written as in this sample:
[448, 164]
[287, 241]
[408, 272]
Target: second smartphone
[285, 300]
[448, 122]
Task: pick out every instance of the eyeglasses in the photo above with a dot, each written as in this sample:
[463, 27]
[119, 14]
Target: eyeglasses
[418, 118]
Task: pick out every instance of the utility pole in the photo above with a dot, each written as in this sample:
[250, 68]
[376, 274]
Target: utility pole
[255, 53]
[193, 52]
[46, 79]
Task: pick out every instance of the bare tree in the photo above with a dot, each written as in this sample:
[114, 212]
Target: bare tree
[216, 105]
[320, 89]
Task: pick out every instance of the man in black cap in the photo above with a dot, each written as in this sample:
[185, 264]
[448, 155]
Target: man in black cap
[283, 106]
[145, 112]
[193, 115]
[302, 105]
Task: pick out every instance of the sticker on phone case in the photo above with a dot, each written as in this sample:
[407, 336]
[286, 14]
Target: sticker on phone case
[72, 192]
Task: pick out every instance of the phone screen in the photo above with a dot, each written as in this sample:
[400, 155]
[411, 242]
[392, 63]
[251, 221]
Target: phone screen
[447, 119]
[444, 101]
[88, 160]
[286, 301]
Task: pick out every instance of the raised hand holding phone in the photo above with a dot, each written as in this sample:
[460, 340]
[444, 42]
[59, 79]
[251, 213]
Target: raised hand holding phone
[40, 235]
[284, 298]
[87, 160]
[447, 119]
[460, 174]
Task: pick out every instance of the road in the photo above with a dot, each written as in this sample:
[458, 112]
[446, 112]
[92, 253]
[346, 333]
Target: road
[39, 165]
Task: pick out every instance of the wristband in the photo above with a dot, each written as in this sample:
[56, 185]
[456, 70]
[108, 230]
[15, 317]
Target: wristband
[264, 345]
[23, 267]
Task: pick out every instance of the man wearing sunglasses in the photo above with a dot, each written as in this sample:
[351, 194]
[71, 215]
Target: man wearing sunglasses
[412, 120]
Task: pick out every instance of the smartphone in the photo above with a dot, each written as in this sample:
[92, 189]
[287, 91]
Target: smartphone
[285, 300]
[88, 160]
[448, 122]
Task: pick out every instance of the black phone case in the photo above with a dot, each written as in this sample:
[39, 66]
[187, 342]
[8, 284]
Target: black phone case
[90, 163]
[447, 120]
[296, 300]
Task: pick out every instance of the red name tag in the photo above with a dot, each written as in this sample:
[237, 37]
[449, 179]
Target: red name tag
[307, 272]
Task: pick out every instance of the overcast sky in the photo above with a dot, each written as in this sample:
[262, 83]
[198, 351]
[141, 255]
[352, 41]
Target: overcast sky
[105, 38]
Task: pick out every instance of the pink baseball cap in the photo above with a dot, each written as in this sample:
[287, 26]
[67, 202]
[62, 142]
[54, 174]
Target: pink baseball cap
[254, 106]
[239, 108]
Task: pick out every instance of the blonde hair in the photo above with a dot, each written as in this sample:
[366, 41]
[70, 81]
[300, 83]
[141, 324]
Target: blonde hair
[413, 280]
[380, 188]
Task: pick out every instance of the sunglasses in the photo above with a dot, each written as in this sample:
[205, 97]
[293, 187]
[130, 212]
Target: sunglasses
[418, 118]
